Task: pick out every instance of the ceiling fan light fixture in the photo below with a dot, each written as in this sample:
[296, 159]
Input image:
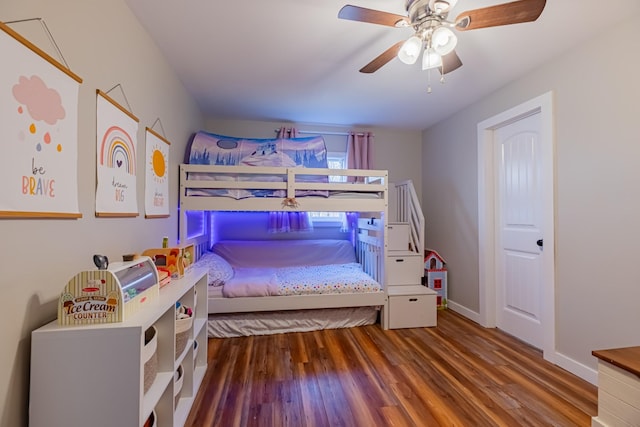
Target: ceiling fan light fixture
[444, 40]
[433, 28]
[410, 50]
[431, 59]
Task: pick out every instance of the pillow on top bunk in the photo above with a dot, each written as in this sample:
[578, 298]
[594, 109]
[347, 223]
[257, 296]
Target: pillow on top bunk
[219, 269]
[207, 148]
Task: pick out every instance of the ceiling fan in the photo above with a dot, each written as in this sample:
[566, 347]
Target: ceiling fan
[434, 37]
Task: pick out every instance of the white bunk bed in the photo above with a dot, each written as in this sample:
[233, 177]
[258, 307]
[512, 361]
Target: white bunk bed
[369, 196]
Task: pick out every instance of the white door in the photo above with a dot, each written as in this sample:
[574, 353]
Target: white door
[516, 283]
[519, 237]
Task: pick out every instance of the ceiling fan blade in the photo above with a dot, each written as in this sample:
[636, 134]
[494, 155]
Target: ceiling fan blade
[502, 14]
[451, 61]
[383, 58]
[356, 13]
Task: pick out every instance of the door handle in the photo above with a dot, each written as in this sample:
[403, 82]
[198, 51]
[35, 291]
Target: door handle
[540, 242]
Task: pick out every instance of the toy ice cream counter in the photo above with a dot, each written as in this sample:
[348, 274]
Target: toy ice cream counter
[109, 294]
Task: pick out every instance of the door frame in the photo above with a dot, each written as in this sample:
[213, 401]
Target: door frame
[487, 176]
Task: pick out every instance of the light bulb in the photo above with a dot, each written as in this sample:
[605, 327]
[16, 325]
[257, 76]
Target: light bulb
[410, 50]
[444, 40]
[431, 59]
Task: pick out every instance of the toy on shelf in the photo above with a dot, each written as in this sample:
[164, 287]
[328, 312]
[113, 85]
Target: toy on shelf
[435, 271]
[109, 294]
[184, 322]
[188, 256]
[168, 259]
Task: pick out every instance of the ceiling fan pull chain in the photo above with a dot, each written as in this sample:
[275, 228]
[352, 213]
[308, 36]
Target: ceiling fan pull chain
[428, 81]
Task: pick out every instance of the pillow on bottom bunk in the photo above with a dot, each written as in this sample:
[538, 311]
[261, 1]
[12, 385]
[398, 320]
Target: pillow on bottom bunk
[219, 270]
[252, 282]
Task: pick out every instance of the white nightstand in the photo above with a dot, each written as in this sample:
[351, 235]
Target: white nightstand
[618, 387]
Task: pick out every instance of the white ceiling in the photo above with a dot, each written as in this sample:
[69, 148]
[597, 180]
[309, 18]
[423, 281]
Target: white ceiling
[294, 60]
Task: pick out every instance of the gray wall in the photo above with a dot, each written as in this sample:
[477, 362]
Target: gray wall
[104, 44]
[597, 192]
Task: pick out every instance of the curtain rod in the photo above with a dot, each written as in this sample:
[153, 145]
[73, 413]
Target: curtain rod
[325, 132]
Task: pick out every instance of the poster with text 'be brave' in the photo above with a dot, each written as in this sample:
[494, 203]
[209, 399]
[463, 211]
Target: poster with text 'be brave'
[38, 132]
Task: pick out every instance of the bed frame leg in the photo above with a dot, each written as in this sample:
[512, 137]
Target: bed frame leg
[384, 316]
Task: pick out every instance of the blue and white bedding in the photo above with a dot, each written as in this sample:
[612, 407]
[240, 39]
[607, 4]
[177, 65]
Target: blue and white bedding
[212, 149]
[325, 279]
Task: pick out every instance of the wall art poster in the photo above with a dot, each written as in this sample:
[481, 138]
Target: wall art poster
[156, 200]
[38, 132]
[116, 159]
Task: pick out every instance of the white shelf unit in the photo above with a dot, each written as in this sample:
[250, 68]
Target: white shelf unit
[93, 375]
[404, 266]
[409, 304]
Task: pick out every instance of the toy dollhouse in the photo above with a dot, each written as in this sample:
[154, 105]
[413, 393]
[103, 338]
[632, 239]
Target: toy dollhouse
[435, 272]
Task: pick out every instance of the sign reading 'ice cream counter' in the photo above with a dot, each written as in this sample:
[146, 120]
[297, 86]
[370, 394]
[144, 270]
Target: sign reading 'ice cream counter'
[108, 296]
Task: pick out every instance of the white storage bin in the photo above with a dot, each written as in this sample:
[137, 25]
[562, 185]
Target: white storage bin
[150, 357]
[397, 236]
[412, 307]
[178, 379]
[404, 269]
[183, 332]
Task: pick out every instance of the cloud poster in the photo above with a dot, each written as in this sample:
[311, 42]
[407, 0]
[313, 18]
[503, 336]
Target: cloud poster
[156, 200]
[38, 132]
[116, 137]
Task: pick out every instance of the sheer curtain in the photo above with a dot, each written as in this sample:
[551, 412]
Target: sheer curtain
[287, 222]
[359, 153]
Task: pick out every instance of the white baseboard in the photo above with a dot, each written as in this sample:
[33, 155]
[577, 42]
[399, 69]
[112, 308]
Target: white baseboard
[464, 311]
[579, 369]
[573, 366]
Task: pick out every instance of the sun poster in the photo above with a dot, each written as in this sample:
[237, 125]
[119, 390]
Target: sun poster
[156, 199]
[38, 132]
[116, 138]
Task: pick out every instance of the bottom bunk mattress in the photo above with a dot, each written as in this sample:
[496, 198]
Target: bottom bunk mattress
[300, 280]
[286, 268]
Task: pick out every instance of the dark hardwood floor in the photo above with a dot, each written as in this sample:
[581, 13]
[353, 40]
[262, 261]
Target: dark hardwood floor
[456, 374]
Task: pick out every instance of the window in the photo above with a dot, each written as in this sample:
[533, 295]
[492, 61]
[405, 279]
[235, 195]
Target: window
[335, 160]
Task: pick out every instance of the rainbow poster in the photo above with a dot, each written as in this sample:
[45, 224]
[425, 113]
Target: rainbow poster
[116, 138]
[156, 199]
[39, 132]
